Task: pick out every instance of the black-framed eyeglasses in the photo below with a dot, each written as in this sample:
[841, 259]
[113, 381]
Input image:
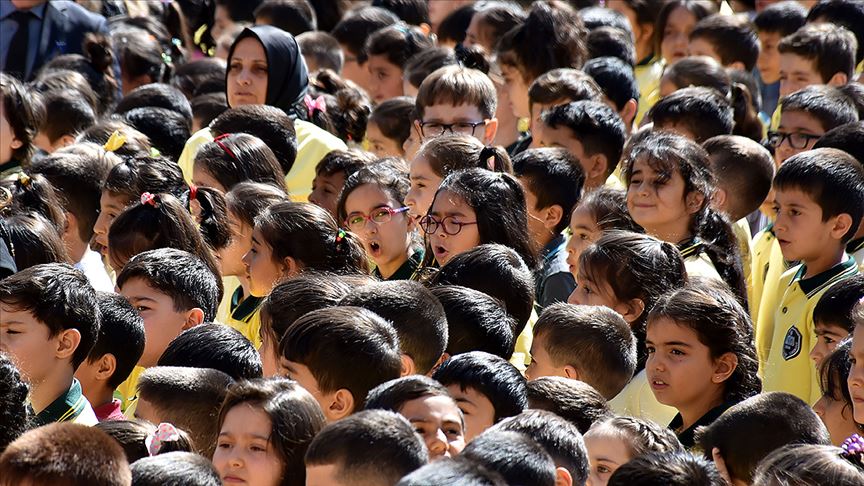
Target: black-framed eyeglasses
[357, 221]
[451, 227]
[796, 140]
[436, 129]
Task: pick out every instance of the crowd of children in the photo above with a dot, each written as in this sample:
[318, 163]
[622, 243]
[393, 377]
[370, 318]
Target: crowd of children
[443, 242]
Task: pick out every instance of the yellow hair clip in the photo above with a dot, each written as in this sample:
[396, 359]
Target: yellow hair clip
[23, 179]
[114, 142]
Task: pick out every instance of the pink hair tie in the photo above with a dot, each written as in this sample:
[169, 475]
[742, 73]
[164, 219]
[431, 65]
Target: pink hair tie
[316, 104]
[165, 432]
[148, 198]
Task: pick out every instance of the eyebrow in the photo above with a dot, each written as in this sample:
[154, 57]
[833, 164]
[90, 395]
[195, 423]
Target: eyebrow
[255, 240]
[138, 297]
[606, 459]
[676, 343]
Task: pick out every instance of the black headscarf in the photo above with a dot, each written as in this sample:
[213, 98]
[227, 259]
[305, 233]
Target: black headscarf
[287, 76]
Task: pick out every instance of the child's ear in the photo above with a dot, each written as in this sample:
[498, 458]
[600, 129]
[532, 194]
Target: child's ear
[290, 267]
[554, 213]
[724, 366]
[572, 372]
[718, 200]
[71, 227]
[67, 342]
[490, 131]
[628, 113]
[563, 477]
[842, 225]
[16, 142]
[597, 164]
[444, 357]
[694, 201]
[107, 366]
[408, 367]
[194, 317]
[64, 141]
[341, 405]
[633, 310]
[839, 79]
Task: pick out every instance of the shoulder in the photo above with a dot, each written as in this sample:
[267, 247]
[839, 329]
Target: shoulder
[76, 17]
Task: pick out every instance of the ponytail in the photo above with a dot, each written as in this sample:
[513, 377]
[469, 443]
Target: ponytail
[496, 159]
[213, 217]
[338, 106]
[33, 193]
[721, 246]
[100, 54]
[747, 122]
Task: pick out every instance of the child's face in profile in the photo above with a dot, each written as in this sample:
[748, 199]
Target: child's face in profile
[800, 231]
[261, 266]
[675, 42]
[110, 205]
[541, 363]
[796, 73]
[583, 232]
[517, 87]
[606, 453]
[385, 78]
[837, 415]
[856, 373]
[656, 202]
[304, 377]
[477, 409]
[538, 221]
[326, 189]
[244, 450]
[424, 183]
[387, 243]
[438, 420]
[563, 137]
[452, 214]
[591, 292]
[231, 257]
[768, 61]
[29, 343]
[800, 126]
[828, 336]
[247, 74]
[379, 144]
[8, 140]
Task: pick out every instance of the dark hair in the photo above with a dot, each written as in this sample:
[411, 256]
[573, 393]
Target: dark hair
[415, 313]
[837, 303]
[33, 193]
[326, 340]
[565, 84]
[475, 322]
[137, 175]
[65, 453]
[552, 24]
[830, 47]
[426, 62]
[393, 394]
[453, 27]
[25, 113]
[554, 176]
[516, 456]
[322, 49]
[175, 469]
[357, 25]
[846, 14]
[295, 419]
[615, 78]
[347, 107]
[397, 43]
[608, 209]
[33, 240]
[698, 8]
[641, 436]
[373, 445]
[697, 71]
[178, 274]
[452, 152]
[412, 12]
[750, 430]
[733, 39]
[200, 76]
[848, 137]
[239, 10]
[667, 468]
[783, 18]
[833, 378]
[121, 334]
[141, 54]
[575, 401]
[346, 161]
[70, 114]
[595, 340]
[96, 64]
[810, 465]
[65, 79]
[136, 144]
[457, 85]
[596, 17]
[828, 105]
[393, 118]
[214, 346]
[246, 200]
[597, 127]
[132, 436]
[166, 129]
[58, 296]
[14, 412]
[268, 123]
[491, 376]
[206, 107]
[494, 19]
[720, 323]
[293, 16]
[703, 111]
[744, 169]
[832, 178]
[454, 473]
[157, 95]
[611, 41]
[239, 157]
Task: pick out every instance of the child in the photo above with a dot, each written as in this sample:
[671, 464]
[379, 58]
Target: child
[642, 16]
[615, 441]
[856, 354]
[811, 465]
[64, 453]
[216, 347]
[729, 39]
[183, 467]
[750, 430]
[619, 85]
[591, 344]
[389, 126]
[475, 322]
[331, 173]
[552, 180]
[457, 100]
[669, 468]
[835, 408]
[701, 358]
[317, 346]
[186, 397]
[293, 17]
[669, 187]
[371, 205]
[233, 158]
[490, 23]
[452, 472]
[696, 113]
[815, 220]
[428, 407]
[417, 316]
[70, 115]
[816, 54]
[117, 350]
[609, 41]
[166, 129]
[518, 458]
[374, 446]
[276, 419]
[425, 63]
[135, 435]
[321, 51]
[351, 33]
[50, 321]
[591, 131]
[833, 316]
[575, 401]
[559, 87]
[675, 22]
[21, 115]
[388, 50]
[486, 387]
[773, 23]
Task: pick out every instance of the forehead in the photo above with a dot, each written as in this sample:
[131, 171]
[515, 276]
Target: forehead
[380, 62]
[800, 121]
[795, 64]
[449, 113]
[662, 329]
[250, 49]
[447, 201]
[137, 287]
[793, 195]
[109, 198]
[367, 196]
[9, 313]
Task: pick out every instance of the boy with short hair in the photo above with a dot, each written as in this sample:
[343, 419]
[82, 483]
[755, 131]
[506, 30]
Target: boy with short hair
[514, 455]
[321, 51]
[819, 202]
[816, 54]
[331, 173]
[186, 397]
[214, 346]
[576, 401]
[351, 33]
[773, 23]
[49, 319]
[458, 100]
[21, 115]
[553, 180]
[339, 354]
[730, 39]
[70, 115]
[588, 343]
[619, 85]
[697, 113]
[559, 87]
[486, 387]
[417, 316]
[475, 322]
[370, 447]
[118, 348]
[833, 316]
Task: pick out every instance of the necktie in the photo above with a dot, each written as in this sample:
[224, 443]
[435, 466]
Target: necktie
[16, 56]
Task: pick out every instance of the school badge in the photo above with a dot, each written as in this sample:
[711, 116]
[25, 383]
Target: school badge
[792, 343]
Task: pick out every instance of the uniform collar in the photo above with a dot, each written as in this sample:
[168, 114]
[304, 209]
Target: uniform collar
[814, 284]
[65, 408]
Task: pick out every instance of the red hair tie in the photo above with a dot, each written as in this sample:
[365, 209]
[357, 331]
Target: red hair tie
[193, 192]
[218, 141]
[148, 198]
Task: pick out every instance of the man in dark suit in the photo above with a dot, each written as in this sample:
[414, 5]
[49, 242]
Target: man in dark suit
[32, 32]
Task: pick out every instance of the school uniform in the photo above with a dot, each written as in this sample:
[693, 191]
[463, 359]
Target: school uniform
[855, 248]
[554, 282]
[246, 316]
[127, 392]
[696, 261]
[788, 366]
[70, 406]
[109, 411]
[94, 269]
[648, 73]
[229, 286]
[772, 292]
[406, 271]
[638, 400]
[687, 436]
[521, 357]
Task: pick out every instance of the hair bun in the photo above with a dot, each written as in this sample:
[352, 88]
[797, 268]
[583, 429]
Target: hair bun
[98, 51]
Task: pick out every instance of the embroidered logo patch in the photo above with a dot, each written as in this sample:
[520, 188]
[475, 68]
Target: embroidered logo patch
[792, 343]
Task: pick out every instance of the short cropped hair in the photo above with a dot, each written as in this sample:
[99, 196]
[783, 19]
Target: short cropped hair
[597, 127]
[783, 18]
[489, 375]
[611, 42]
[452, 472]
[830, 47]
[615, 78]
[554, 176]
[121, 334]
[344, 347]
[268, 123]
[837, 303]
[561, 439]
[475, 322]
[157, 95]
[839, 12]
[751, 429]
[214, 346]
[65, 453]
[667, 469]
[595, 340]
[323, 48]
[744, 169]
[457, 85]
[393, 394]
[373, 446]
[848, 137]
[178, 274]
[166, 129]
[516, 456]
[58, 296]
[415, 313]
[832, 178]
[357, 25]
[70, 114]
[830, 106]
[564, 85]
[188, 398]
[733, 38]
[704, 111]
[575, 401]
[175, 469]
[293, 16]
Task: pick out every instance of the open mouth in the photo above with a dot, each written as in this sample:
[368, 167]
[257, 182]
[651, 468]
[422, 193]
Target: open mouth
[659, 384]
[374, 248]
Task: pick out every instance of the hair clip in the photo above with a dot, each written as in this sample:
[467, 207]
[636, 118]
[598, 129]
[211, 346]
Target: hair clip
[193, 192]
[148, 198]
[853, 447]
[340, 237]
[401, 27]
[166, 58]
[316, 104]
[24, 179]
[165, 432]
[218, 141]
[115, 141]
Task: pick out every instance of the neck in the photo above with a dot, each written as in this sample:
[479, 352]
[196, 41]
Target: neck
[644, 49]
[387, 269]
[99, 397]
[508, 131]
[76, 248]
[692, 412]
[674, 232]
[823, 262]
[55, 384]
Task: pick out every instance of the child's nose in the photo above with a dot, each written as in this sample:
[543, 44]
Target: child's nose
[438, 444]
